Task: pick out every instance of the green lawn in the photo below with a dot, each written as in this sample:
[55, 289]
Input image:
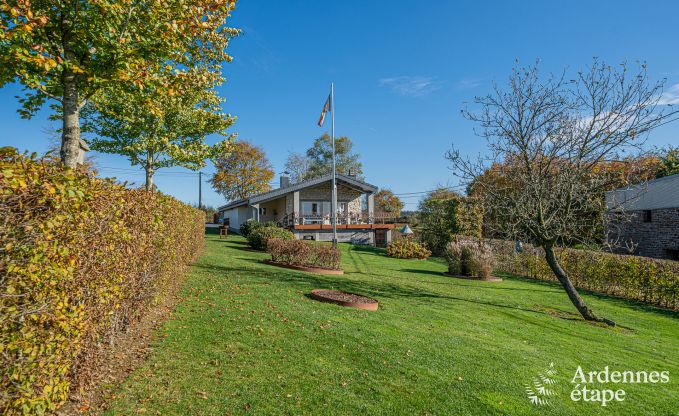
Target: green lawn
[246, 340]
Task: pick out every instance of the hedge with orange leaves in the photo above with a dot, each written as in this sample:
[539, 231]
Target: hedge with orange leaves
[80, 258]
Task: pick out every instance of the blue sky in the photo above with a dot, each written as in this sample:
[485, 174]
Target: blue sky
[402, 72]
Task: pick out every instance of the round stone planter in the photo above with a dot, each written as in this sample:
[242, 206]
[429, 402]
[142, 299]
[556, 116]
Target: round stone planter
[350, 300]
[490, 279]
[316, 270]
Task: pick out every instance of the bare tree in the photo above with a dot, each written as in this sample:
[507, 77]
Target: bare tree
[297, 164]
[547, 136]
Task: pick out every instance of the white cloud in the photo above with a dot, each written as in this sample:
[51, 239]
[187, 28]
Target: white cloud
[469, 83]
[671, 96]
[411, 86]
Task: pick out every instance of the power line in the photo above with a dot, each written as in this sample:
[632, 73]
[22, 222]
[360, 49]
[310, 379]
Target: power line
[449, 188]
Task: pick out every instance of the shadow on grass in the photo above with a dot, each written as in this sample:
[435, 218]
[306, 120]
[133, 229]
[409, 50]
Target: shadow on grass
[235, 243]
[369, 249]
[611, 299]
[308, 281]
[361, 266]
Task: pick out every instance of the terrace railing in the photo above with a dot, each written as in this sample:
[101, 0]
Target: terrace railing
[297, 218]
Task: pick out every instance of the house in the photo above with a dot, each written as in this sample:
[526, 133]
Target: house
[644, 218]
[305, 209]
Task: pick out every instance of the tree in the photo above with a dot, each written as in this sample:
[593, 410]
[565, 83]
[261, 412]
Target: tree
[548, 135]
[387, 202]
[669, 162]
[242, 172]
[444, 213]
[320, 157]
[67, 51]
[154, 129]
[297, 165]
[629, 170]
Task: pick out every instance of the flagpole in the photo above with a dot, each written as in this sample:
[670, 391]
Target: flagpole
[334, 175]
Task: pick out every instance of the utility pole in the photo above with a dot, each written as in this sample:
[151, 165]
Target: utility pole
[200, 189]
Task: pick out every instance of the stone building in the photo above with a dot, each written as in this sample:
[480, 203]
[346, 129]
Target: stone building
[644, 219]
[305, 209]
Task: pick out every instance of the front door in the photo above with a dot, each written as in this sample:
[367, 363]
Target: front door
[381, 238]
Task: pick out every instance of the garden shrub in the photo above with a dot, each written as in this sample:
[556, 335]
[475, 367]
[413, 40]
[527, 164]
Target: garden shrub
[259, 235]
[644, 279]
[250, 225]
[469, 257]
[305, 254]
[406, 248]
[80, 258]
[445, 214]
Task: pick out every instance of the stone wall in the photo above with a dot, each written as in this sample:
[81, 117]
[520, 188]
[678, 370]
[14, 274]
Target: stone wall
[658, 238]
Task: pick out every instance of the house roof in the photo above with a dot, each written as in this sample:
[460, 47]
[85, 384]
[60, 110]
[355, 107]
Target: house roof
[655, 194]
[277, 193]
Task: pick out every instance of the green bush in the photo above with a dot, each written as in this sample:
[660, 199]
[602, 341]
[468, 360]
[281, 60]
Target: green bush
[637, 278]
[446, 214]
[302, 253]
[250, 225]
[259, 235]
[80, 258]
[405, 248]
[469, 257]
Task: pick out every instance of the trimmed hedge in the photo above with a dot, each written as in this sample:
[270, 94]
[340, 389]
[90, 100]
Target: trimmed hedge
[259, 236]
[302, 253]
[636, 278]
[80, 258]
[405, 248]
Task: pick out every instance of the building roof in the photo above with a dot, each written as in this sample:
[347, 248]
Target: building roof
[655, 194]
[277, 193]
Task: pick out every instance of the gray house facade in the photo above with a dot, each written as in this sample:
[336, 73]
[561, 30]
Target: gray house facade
[305, 209]
[644, 219]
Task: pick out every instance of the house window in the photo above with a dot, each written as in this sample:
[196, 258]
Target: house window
[322, 208]
[648, 217]
[310, 208]
[672, 254]
[262, 210]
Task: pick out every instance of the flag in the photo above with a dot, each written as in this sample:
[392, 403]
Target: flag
[326, 108]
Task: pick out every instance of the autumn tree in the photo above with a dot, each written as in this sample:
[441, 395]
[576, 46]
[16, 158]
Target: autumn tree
[621, 173]
[156, 129]
[669, 162]
[548, 135]
[67, 51]
[320, 157]
[387, 202]
[243, 171]
[444, 213]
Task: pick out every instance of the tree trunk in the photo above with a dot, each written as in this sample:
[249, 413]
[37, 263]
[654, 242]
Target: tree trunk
[149, 179]
[572, 292]
[70, 134]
